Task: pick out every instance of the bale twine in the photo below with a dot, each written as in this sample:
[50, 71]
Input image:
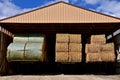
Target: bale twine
[99, 39]
[75, 47]
[107, 56]
[107, 47]
[92, 48]
[61, 57]
[93, 57]
[75, 56]
[62, 47]
[75, 38]
[62, 38]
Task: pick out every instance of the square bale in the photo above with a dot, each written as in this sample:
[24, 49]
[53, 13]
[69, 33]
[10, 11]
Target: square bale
[62, 38]
[75, 47]
[75, 57]
[107, 56]
[99, 39]
[62, 47]
[92, 48]
[93, 57]
[75, 38]
[61, 57]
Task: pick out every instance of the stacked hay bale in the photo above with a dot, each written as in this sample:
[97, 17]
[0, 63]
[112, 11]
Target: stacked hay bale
[107, 52]
[98, 50]
[62, 41]
[75, 48]
[26, 48]
[68, 48]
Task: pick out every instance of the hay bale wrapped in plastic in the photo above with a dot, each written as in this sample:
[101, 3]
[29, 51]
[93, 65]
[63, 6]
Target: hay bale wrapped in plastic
[108, 56]
[62, 47]
[62, 38]
[75, 57]
[34, 51]
[107, 47]
[92, 48]
[34, 38]
[75, 47]
[61, 57]
[99, 39]
[15, 51]
[20, 39]
[93, 57]
[75, 38]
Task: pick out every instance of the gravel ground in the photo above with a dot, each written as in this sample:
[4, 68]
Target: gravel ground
[61, 77]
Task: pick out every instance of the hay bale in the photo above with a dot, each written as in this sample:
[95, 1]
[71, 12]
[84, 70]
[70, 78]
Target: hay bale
[99, 39]
[61, 57]
[107, 47]
[62, 47]
[15, 51]
[75, 38]
[93, 57]
[20, 39]
[75, 56]
[92, 48]
[75, 47]
[36, 39]
[107, 56]
[62, 38]
[34, 51]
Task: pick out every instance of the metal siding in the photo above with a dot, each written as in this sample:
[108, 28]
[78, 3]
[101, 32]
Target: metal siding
[61, 13]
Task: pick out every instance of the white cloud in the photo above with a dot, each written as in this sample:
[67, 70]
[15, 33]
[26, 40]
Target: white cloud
[7, 9]
[110, 7]
[92, 1]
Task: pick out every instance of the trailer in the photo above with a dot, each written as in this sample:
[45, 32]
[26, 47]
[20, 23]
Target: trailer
[35, 32]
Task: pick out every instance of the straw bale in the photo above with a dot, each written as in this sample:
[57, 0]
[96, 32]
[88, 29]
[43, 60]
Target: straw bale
[75, 47]
[108, 56]
[75, 38]
[107, 47]
[93, 57]
[99, 39]
[92, 48]
[61, 57]
[62, 47]
[75, 56]
[62, 38]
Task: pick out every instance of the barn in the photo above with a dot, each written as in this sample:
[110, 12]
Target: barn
[60, 17]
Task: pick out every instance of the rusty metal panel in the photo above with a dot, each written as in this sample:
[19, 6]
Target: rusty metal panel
[61, 12]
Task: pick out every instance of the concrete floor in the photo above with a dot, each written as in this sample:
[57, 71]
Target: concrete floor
[61, 77]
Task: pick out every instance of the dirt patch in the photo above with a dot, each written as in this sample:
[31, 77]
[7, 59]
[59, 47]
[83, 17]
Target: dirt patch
[62, 77]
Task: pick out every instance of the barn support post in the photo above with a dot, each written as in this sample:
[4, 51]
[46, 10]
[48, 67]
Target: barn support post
[3, 51]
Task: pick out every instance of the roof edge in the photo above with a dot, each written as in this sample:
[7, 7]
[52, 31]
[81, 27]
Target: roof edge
[58, 3]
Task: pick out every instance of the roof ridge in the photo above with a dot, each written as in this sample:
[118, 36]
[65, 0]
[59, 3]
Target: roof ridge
[58, 3]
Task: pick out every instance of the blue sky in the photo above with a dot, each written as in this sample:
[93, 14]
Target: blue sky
[12, 7]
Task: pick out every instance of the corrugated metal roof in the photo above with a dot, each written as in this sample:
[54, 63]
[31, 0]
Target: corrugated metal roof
[61, 12]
